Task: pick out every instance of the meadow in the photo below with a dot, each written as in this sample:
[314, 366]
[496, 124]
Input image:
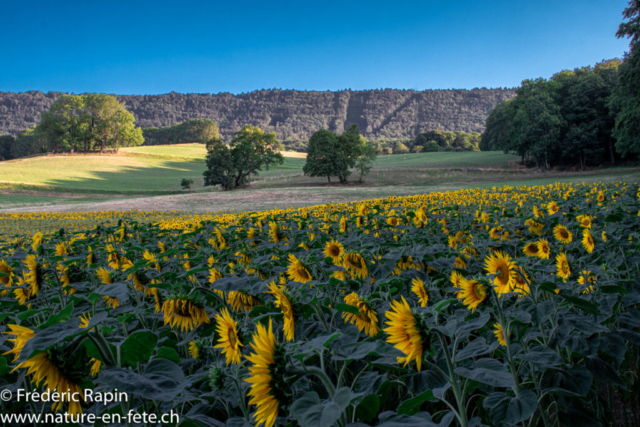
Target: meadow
[513, 304]
[148, 177]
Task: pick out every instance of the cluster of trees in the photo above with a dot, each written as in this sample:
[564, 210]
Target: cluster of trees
[332, 155]
[76, 123]
[584, 117]
[193, 130]
[250, 151]
[293, 115]
[561, 121]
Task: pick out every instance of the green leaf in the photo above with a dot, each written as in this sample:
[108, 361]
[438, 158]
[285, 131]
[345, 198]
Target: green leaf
[511, 409]
[138, 347]
[368, 408]
[441, 305]
[587, 306]
[412, 406]
[169, 354]
[310, 412]
[63, 316]
[488, 371]
[346, 308]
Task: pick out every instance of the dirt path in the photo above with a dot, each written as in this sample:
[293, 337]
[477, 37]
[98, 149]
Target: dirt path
[262, 199]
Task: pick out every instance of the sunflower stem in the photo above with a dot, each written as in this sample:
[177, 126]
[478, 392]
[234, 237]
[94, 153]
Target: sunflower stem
[320, 374]
[461, 413]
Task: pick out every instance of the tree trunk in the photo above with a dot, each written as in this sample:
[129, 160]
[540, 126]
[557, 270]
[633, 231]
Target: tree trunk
[611, 150]
[329, 178]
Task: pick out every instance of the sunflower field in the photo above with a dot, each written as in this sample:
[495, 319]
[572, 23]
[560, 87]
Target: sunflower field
[498, 307]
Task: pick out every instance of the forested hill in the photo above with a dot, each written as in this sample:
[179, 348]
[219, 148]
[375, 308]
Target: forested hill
[292, 114]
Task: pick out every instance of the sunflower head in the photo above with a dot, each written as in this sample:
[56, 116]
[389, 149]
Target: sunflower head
[406, 333]
[531, 249]
[355, 264]
[334, 250]
[501, 265]
[184, 313]
[229, 338]
[473, 293]
[283, 302]
[544, 250]
[499, 333]
[417, 287]
[297, 271]
[196, 349]
[562, 234]
[216, 378]
[562, 265]
[269, 385]
[367, 318]
[7, 278]
[587, 240]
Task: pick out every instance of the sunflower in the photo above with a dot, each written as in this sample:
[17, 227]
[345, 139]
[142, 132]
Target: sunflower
[7, 280]
[499, 333]
[404, 332]
[95, 367]
[284, 303]
[521, 280]
[297, 271]
[266, 375]
[418, 289]
[343, 225]
[587, 240]
[339, 275]
[456, 281]
[194, 350]
[355, 264]
[453, 243]
[229, 341]
[543, 249]
[22, 335]
[601, 198]
[552, 207]
[111, 301]
[25, 292]
[104, 275]
[84, 320]
[531, 249]
[36, 241]
[473, 293]
[274, 234]
[460, 263]
[562, 235]
[44, 368]
[366, 320]
[62, 249]
[184, 313]
[604, 237]
[562, 265]
[35, 274]
[588, 279]
[501, 265]
[334, 250]
[585, 220]
[242, 301]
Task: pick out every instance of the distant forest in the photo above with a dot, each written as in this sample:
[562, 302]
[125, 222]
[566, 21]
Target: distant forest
[293, 115]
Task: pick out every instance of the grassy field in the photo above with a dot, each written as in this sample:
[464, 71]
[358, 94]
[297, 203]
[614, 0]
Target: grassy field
[137, 176]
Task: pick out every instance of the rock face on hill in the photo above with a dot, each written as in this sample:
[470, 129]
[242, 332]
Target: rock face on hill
[292, 114]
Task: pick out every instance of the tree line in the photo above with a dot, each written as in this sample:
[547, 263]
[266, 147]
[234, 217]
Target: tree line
[588, 116]
[292, 114]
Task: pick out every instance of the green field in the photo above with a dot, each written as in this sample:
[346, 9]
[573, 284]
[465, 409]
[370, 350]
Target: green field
[120, 181]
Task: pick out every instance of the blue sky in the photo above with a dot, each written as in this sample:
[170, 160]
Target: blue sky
[129, 47]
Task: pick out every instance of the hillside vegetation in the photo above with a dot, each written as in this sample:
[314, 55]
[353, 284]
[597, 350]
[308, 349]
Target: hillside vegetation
[293, 115]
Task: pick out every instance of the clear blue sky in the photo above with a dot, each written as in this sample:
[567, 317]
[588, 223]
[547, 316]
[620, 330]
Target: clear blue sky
[135, 47]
